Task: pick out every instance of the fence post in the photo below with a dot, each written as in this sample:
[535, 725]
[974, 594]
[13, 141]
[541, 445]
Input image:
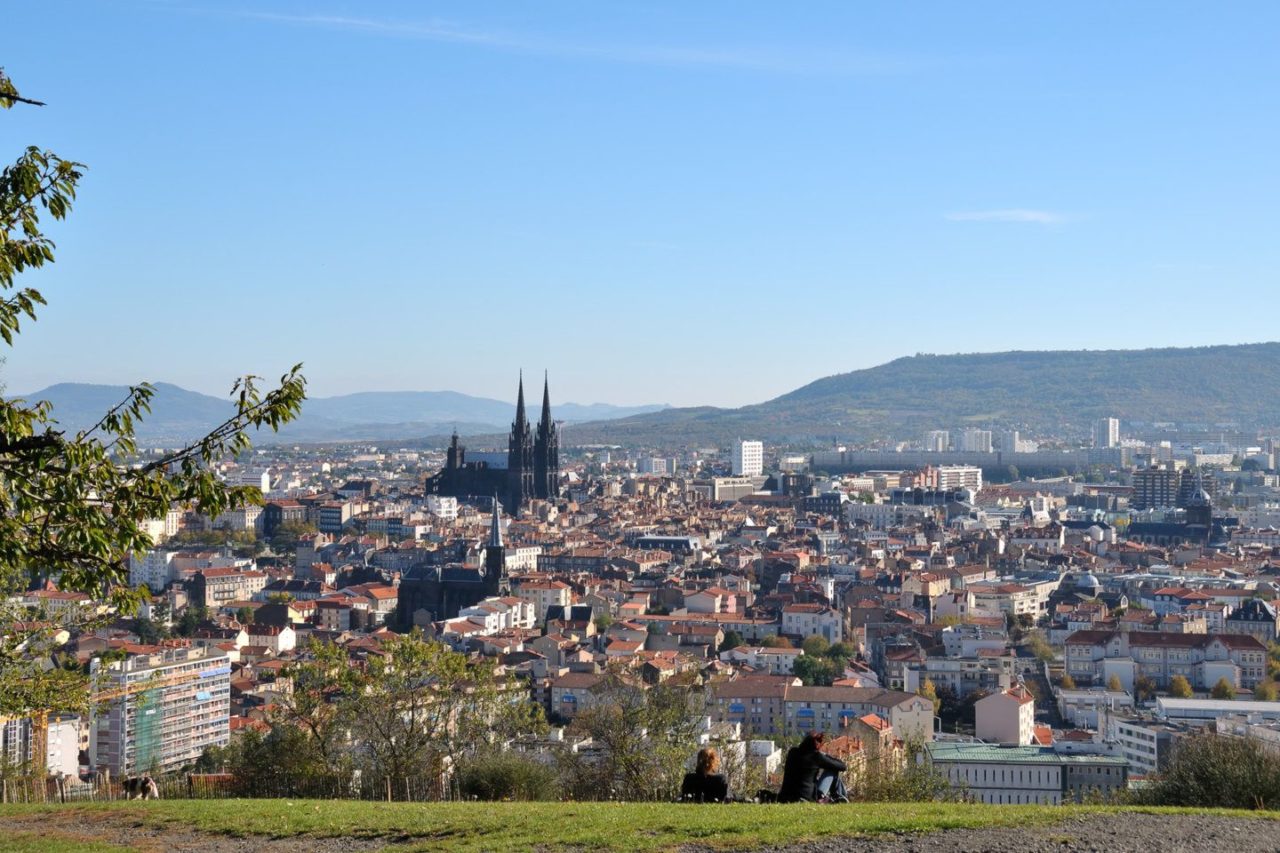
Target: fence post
[388, 789]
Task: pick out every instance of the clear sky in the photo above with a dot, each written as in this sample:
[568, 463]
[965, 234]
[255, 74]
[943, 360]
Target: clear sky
[683, 202]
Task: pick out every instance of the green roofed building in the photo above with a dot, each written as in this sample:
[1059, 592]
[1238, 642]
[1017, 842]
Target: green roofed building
[990, 773]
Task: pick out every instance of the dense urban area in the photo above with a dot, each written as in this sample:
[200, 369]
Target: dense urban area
[968, 613]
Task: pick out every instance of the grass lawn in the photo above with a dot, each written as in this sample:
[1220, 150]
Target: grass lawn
[517, 826]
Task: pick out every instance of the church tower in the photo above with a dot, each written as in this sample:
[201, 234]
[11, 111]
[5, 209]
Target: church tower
[495, 555]
[546, 451]
[520, 467]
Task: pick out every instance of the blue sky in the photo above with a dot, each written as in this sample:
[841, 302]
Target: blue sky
[694, 203]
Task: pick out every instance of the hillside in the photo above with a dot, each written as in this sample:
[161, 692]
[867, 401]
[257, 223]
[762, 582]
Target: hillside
[1051, 390]
[293, 826]
[179, 414]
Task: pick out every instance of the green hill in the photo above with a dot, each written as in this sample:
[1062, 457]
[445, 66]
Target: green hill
[1053, 391]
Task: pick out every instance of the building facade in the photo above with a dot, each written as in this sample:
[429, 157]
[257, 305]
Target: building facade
[162, 710]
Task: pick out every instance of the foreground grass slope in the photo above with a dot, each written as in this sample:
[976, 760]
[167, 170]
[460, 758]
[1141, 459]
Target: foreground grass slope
[514, 826]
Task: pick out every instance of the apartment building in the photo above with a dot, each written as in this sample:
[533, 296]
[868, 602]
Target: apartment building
[778, 705]
[213, 588]
[161, 710]
[1092, 657]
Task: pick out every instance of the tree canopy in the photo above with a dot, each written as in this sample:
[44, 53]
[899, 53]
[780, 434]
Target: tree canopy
[74, 506]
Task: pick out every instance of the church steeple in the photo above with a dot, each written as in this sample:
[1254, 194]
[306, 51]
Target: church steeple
[546, 450]
[495, 526]
[545, 421]
[520, 417]
[495, 555]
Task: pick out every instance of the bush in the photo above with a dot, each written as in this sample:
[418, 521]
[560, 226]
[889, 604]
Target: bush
[1217, 772]
[506, 776]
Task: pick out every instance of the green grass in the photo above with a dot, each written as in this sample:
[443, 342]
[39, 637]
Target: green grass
[522, 826]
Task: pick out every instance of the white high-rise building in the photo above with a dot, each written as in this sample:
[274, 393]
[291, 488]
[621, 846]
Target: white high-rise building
[975, 441]
[959, 477]
[652, 465]
[937, 441]
[161, 710]
[748, 458]
[1106, 432]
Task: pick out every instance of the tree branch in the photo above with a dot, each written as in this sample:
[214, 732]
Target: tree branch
[13, 98]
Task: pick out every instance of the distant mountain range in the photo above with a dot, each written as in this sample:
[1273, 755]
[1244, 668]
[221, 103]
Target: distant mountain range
[179, 414]
[1057, 392]
[1053, 392]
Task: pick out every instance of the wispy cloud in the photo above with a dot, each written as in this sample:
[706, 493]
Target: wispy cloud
[741, 58]
[1014, 214]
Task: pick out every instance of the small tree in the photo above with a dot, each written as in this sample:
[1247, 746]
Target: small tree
[1144, 687]
[1114, 685]
[1266, 691]
[1224, 689]
[1067, 682]
[646, 736]
[841, 653]
[930, 692]
[1180, 688]
[773, 641]
[732, 639]
[815, 671]
[816, 645]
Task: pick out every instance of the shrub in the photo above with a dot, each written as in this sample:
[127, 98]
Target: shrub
[506, 776]
[1217, 772]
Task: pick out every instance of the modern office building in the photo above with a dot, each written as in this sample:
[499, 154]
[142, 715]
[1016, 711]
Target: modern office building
[748, 458]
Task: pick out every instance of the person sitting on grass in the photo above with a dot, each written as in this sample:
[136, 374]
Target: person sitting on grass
[810, 775]
[705, 784]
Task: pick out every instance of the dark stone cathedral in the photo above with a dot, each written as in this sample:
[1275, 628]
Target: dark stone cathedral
[532, 469]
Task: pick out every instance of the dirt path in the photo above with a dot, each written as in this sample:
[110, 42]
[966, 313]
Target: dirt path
[1123, 833]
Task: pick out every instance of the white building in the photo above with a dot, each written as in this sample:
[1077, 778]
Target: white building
[162, 710]
[543, 594]
[959, 477]
[748, 458]
[774, 661]
[443, 508]
[808, 620]
[937, 441]
[1006, 717]
[1004, 775]
[1106, 432]
[976, 441]
[153, 569]
[652, 465]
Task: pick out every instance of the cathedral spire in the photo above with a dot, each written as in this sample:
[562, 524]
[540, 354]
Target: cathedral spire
[520, 418]
[495, 525]
[546, 402]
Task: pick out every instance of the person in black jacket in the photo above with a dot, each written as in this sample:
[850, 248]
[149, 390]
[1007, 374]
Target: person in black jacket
[809, 774]
[705, 784]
